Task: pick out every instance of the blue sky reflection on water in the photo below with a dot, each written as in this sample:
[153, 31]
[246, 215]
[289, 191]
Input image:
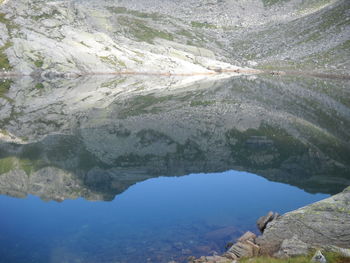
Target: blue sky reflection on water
[165, 209]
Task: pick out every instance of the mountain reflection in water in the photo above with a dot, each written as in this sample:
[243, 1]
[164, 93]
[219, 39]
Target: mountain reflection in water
[161, 219]
[94, 138]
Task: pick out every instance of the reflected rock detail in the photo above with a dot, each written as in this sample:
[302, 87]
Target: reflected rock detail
[94, 138]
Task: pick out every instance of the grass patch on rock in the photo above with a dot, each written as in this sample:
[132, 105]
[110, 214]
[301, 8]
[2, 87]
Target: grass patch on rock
[272, 2]
[112, 60]
[142, 32]
[203, 25]
[142, 104]
[9, 23]
[39, 86]
[4, 62]
[38, 63]
[29, 166]
[123, 10]
[6, 165]
[330, 256]
[197, 103]
[5, 87]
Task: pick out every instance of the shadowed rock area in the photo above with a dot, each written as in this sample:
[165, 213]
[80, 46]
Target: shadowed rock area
[96, 146]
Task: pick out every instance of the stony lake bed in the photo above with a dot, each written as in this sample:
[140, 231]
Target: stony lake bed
[160, 131]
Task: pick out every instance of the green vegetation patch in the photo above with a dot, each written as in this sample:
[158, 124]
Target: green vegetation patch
[4, 62]
[7, 164]
[113, 83]
[330, 256]
[28, 166]
[39, 86]
[313, 4]
[46, 15]
[5, 87]
[142, 104]
[203, 25]
[263, 147]
[123, 10]
[38, 63]
[112, 60]
[8, 22]
[197, 103]
[185, 33]
[142, 32]
[337, 16]
[273, 2]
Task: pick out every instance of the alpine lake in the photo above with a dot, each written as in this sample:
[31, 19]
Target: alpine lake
[144, 169]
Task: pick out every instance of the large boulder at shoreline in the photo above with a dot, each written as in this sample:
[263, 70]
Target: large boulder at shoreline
[264, 220]
[324, 224]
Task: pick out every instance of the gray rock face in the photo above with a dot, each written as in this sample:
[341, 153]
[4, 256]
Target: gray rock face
[53, 38]
[293, 247]
[242, 249]
[169, 36]
[321, 225]
[264, 220]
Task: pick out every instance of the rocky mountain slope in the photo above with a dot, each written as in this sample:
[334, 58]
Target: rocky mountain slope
[80, 36]
[97, 36]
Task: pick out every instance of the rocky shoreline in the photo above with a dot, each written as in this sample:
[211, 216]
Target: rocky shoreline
[324, 225]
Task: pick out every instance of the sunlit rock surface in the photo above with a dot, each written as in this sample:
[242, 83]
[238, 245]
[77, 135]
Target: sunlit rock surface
[324, 224]
[81, 36]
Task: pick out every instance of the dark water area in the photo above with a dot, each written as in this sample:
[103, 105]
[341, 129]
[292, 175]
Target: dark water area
[140, 169]
[157, 220]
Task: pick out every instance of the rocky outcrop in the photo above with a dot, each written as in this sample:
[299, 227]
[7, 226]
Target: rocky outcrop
[244, 247]
[325, 224]
[322, 225]
[264, 220]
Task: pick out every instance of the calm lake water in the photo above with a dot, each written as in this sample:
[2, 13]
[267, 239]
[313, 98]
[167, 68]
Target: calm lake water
[126, 170]
[159, 219]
